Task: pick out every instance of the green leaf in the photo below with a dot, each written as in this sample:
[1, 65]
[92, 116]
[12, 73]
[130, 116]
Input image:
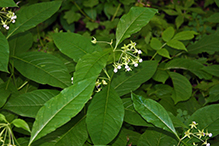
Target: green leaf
[125, 82]
[2, 118]
[7, 3]
[213, 70]
[163, 52]
[182, 87]
[28, 17]
[192, 65]
[19, 123]
[217, 2]
[105, 116]
[171, 12]
[60, 109]
[90, 3]
[28, 104]
[208, 43]
[156, 137]
[176, 45]
[189, 3]
[20, 43]
[153, 112]
[133, 22]
[71, 16]
[131, 115]
[168, 34]
[161, 74]
[185, 35]
[43, 68]
[179, 20]
[4, 53]
[90, 65]
[4, 94]
[74, 45]
[155, 44]
[213, 94]
[207, 118]
[214, 18]
[75, 136]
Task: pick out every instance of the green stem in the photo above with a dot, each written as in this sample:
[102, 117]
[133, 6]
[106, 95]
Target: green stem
[153, 56]
[107, 74]
[116, 12]
[22, 85]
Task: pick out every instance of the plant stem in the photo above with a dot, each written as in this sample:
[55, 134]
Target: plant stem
[116, 12]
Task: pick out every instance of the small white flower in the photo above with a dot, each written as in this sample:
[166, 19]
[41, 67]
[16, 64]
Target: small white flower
[139, 52]
[208, 144]
[72, 80]
[13, 21]
[115, 70]
[126, 66]
[210, 134]
[14, 17]
[140, 60]
[128, 69]
[119, 67]
[7, 27]
[136, 64]
[4, 25]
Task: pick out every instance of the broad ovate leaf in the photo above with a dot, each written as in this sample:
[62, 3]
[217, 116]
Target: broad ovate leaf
[28, 17]
[182, 89]
[168, 34]
[153, 112]
[28, 104]
[185, 35]
[125, 82]
[19, 123]
[133, 22]
[43, 68]
[176, 45]
[90, 65]
[74, 45]
[4, 53]
[105, 116]
[60, 109]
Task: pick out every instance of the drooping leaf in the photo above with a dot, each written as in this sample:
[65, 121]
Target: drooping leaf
[208, 44]
[105, 116]
[176, 45]
[4, 53]
[7, 3]
[153, 112]
[28, 17]
[75, 136]
[2, 118]
[133, 22]
[168, 34]
[21, 124]
[213, 94]
[74, 45]
[125, 82]
[90, 65]
[60, 109]
[131, 115]
[156, 137]
[181, 86]
[185, 35]
[213, 70]
[207, 119]
[192, 65]
[28, 104]
[20, 43]
[43, 68]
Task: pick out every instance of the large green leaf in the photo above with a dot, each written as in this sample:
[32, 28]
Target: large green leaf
[74, 45]
[105, 116]
[213, 70]
[153, 112]
[4, 53]
[125, 82]
[213, 94]
[182, 89]
[43, 68]
[161, 74]
[28, 104]
[7, 3]
[20, 43]
[60, 109]
[4, 94]
[192, 65]
[156, 137]
[208, 44]
[28, 17]
[90, 65]
[133, 22]
[214, 18]
[75, 136]
[131, 115]
[207, 118]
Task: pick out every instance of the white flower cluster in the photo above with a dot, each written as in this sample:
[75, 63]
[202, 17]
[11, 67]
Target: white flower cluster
[129, 56]
[7, 18]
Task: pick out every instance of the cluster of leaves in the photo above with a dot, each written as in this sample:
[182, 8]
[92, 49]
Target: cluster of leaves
[51, 42]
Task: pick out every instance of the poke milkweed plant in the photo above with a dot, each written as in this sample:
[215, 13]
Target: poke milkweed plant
[103, 100]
